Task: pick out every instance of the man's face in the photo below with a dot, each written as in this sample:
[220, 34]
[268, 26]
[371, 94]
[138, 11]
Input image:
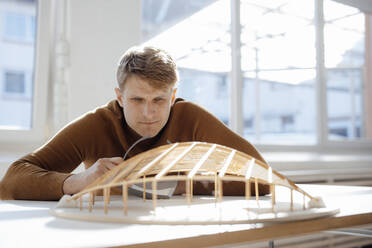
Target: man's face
[146, 109]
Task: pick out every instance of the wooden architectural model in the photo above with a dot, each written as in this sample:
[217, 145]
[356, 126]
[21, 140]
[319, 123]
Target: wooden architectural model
[189, 162]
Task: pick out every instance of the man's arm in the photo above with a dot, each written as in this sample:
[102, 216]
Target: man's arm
[25, 180]
[40, 175]
[45, 173]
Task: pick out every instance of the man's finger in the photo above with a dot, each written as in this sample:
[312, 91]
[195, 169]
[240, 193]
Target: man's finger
[109, 166]
[116, 160]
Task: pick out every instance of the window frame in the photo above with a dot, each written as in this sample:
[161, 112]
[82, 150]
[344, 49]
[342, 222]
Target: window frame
[323, 143]
[37, 133]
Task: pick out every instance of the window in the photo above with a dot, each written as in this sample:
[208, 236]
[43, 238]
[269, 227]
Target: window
[20, 26]
[16, 88]
[278, 66]
[281, 64]
[15, 26]
[16, 106]
[344, 35]
[197, 34]
[14, 83]
[23, 70]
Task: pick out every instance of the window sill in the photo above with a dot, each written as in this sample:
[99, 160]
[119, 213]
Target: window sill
[302, 167]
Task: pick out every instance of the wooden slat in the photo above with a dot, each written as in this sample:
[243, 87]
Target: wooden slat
[153, 162]
[227, 164]
[201, 161]
[248, 174]
[173, 163]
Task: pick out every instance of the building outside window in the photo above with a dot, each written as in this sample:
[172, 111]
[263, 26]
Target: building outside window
[14, 83]
[278, 63]
[344, 35]
[17, 63]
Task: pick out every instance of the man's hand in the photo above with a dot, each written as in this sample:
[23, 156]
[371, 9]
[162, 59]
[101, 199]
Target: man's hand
[77, 182]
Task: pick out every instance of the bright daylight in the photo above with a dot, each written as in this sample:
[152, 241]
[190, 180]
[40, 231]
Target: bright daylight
[172, 123]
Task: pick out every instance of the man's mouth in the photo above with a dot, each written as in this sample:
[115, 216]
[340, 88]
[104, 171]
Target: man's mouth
[148, 122]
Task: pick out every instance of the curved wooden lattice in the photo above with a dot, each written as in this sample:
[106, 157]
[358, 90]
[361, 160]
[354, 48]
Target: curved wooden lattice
[188, 161]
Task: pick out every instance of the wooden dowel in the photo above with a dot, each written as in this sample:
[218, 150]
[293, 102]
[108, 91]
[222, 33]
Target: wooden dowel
[91, 197]
[125, 197]
[272, 196]
[291, 199]
[247, 189]
[303, 202]
[188, 200]
[256, 190]
[81, 203]
[108, 195]
[215, 187]
[94, 197]
[144, 188]
[154, 194]
[191, 189]
[105, 200]
[220, 189]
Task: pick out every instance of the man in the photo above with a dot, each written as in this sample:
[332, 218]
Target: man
[145, 106]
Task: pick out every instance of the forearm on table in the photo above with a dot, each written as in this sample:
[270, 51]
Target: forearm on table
[25, 181]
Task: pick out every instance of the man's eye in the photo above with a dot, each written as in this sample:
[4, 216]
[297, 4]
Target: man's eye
[137, 99]
[158, 99]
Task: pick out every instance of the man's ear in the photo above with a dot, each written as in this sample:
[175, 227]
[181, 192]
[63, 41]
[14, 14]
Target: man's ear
[174, 91]
[119, 96]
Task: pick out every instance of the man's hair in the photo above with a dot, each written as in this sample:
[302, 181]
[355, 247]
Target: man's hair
[152, 64]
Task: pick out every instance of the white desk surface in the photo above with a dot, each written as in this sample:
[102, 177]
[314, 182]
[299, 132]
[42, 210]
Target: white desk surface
[29, 224]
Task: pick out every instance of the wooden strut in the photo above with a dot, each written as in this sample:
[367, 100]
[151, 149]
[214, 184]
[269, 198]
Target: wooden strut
[188, 197]
[303, 202]
[125, 197]
[91, 201]
[105, 200]
[256, 190]
[191, 189]
[144, 188]
[272, 189]
[291, 199]
[215, 187]
[154, 194]
[132, 176]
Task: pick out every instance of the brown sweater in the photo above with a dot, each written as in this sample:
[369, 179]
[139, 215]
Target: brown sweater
[103, 133]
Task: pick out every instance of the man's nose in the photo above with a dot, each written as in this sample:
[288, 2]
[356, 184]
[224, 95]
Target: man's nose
[148, 110]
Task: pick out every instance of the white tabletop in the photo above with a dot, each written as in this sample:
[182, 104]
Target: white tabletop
[29, 224]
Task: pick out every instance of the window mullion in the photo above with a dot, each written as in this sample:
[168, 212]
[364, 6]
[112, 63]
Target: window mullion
[367, 82]
[236, 104]
[321, 84]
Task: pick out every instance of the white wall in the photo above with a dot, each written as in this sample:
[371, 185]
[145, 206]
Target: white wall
[99, 31]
